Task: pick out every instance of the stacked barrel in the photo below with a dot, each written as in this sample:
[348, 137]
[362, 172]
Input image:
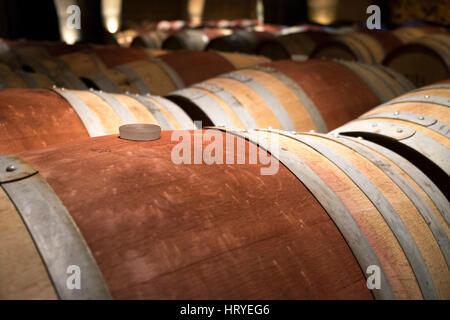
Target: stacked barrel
[300, 178]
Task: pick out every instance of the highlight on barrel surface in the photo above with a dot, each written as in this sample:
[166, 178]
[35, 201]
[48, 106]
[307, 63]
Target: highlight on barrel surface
[415, 125]
[36, 118]
[291, 95]
[424, 61]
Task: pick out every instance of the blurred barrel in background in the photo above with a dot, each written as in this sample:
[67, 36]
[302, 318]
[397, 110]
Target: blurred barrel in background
[424, 61]
[194, 39]
[293, 46]
[370, 46]
[168, 72]
[240, 41]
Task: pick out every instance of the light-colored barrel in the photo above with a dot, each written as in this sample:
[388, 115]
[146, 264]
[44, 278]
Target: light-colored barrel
[32, 119]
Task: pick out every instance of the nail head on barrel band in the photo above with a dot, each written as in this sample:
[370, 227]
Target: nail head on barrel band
[140, 132]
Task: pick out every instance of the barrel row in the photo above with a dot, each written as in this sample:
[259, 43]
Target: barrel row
[339, 201]
[121, 71]
[290, 95]
[284, 95]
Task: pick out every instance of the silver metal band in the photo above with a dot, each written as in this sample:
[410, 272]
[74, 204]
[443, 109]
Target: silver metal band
[154, 110]
[91, 122]
[442, 101]
[430, 148]
[420, 203]
[436, 195]
[406, 84]
[356, 68]
[179, 83]
[208, 105]
[274, 105]
[180, 116]
[240, 111]
[130, 74]
[354, 42]
[420, 119]
[103, 82]
[334, 207]
[70, 81]
[444, 86]
[301, 95]
[122, 112]
[28, 79]
[385, 208]
[55, 234]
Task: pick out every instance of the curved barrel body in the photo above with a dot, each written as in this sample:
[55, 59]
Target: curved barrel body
[35, 118]
[311, 95]
[416, 125]
[142, 225]
[424, 61]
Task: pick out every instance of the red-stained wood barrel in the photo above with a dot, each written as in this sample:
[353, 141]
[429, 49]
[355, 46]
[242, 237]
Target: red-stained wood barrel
[157, 230]
[36, 118]
[311, 95]
[141, 225]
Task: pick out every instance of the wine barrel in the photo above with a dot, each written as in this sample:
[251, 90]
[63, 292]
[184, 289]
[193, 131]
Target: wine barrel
[22, 79]
[370, 46]
[240, 41]
[424, 61]
[290, 95]
[415, 125]
[192, 39]
[35, 118]
[365, 178]
[152, 39]
[242, 60]
[168, 72]
[357, 206]
[137, 255]
[408, 34]
[293, 46]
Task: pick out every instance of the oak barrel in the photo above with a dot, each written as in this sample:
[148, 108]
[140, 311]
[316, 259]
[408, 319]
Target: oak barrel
[415, 125]
[370, 46]
[424, 61]
[134, 225]
[35, 118]
[311, 95]
[168, 72]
